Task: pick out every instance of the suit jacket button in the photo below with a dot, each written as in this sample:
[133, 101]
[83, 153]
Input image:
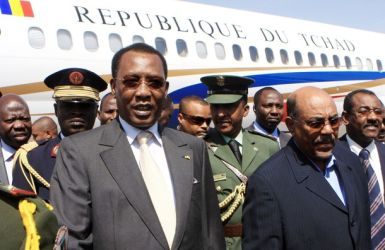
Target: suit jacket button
[352, 223]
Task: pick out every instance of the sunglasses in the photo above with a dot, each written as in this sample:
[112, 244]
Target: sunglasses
[319, 123]
[196, 120]
[133, 83]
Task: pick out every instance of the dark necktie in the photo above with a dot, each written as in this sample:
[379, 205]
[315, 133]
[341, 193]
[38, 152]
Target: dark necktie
[377, 209]
[235, 148]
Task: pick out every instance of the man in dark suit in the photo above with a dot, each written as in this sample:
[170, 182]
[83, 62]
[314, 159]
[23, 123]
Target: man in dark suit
[15, 130]
[101, 188]
[268, 109]
[312, 194]
[362, 117]
[76, 94]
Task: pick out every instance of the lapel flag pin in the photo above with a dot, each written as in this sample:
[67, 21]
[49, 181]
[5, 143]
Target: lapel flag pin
[187, 157]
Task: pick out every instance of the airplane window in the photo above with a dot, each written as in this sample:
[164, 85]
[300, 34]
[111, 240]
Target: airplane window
[298, 57]
[181, 47]
[201, 49]
[253, 54]
[336, 61]
[237, 52]
[379, 65]
[312, 60]
[269, 55]
[284, 56]
[64, 39]
[91, 41]
[220, 51]
[324, 60]
[36, 37]
[115, 42]
[348, 62]
[137, 39]
[369, 64]
[359, 63]
[160, 45]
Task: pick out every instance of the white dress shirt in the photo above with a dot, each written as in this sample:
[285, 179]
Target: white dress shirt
[374, 159]
[275, 133]
[8, 153]
[155, 146]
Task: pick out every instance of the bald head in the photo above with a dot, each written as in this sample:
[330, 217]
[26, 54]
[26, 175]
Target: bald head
[314, 122]
[15, 120]
[44, 128]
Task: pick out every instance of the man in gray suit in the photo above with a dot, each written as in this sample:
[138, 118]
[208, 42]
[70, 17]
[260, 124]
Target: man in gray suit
[268, 109]
[101, 189]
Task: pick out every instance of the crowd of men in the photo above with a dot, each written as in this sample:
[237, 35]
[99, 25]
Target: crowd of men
[134, 183]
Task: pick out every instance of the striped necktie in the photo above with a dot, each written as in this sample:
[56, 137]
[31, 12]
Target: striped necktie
[377, 209]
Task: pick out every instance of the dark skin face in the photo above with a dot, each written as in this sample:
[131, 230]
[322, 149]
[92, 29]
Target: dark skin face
[15, 121]
[269, 110]
[188, 125]
[228, 118]
[108, 110]
[314, 105]
[381, 134]
[363, 127]
[75, 117]
[140, 88]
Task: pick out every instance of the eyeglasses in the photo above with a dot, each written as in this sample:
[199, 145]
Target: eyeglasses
[134, 82]
[196, 120]
[319, 123]
[365, 111]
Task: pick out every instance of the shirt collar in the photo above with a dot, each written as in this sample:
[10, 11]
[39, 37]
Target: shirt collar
[238, 138]
[356, 148]
[132, 131]
[7, 150]
[261, 130]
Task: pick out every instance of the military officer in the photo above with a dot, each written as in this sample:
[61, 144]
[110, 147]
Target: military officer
[234, 152]
[76, 94]
[27, 222]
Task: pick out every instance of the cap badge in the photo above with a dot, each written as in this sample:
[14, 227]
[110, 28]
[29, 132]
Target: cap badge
[220, 81]
[76, 78]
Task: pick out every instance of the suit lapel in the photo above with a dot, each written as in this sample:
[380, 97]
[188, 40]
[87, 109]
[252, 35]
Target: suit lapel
[180, 162]
[314, 181]
[249, 150]
[348, 182]
[121, 164]
[3, 171]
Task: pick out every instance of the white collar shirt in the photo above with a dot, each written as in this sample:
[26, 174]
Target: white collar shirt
[374, 159]
[155, 146]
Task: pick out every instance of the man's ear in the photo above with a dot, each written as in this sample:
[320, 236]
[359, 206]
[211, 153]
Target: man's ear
[246, 110]
[112, 85]
[180, 117]
[345, 117]
[290, 124]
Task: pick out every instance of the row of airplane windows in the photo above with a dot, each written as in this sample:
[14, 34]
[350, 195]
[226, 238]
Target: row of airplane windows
[64, 39]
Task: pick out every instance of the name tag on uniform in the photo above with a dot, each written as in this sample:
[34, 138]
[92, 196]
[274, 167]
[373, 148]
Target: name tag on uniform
[220, 177]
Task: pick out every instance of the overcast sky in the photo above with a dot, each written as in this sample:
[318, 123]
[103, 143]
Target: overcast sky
[360, 14]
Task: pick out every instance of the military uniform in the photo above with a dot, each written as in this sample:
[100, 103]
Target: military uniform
[230, 176]
[42, 159]
[27, 221]
[35, 163]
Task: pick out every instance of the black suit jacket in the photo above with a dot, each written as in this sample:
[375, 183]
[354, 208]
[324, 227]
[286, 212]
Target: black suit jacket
[98, 191]
[290, 205]
[381, 154]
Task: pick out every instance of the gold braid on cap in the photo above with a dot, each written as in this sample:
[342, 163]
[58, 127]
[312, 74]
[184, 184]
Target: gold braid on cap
[65, 91]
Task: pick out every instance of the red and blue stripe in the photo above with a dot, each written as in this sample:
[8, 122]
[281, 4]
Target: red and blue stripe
[16, 8]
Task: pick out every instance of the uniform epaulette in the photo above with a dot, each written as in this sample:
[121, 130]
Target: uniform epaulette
[22, 159]
[16, 192]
